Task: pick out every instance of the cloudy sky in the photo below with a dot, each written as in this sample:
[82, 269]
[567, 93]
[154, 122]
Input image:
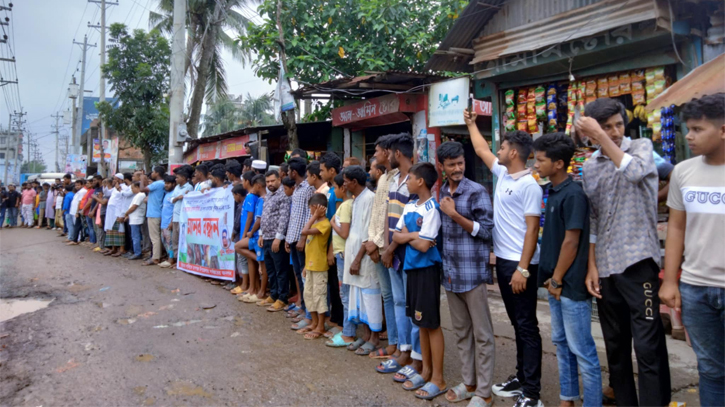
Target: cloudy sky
[41, 37]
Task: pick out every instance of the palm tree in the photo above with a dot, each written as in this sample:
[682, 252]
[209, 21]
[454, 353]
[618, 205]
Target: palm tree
[257, 111]
[206, 22]
[221, 117]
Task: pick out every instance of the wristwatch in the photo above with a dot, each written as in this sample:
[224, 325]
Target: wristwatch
[523, 271]
[554, 283]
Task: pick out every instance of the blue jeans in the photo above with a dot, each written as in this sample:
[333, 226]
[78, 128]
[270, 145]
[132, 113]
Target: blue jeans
[349, 328]
[298, 261]
[703, 315]
[91, 230]
[13, 216]
[2, 216]
[70, 221]
[137, 239]
[408, 334]
[571, 332]
[386, 292]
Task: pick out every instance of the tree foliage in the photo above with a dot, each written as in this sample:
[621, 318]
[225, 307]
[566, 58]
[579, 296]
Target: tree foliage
[32, 167]
[327, 39]
[226, 115]
[138, 72]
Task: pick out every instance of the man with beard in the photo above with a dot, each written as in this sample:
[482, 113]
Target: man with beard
[155, 192]
[275, 217]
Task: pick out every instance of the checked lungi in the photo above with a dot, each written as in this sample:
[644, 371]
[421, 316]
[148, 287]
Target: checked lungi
[114, 237]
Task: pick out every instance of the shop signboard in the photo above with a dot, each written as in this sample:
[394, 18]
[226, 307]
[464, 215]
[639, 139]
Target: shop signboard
[205, 238]
[192, 156]
[372, 109]
[209, 151]
[446, 102]
[97, 150]
[113, 163]
[76, 165]
[233, 147]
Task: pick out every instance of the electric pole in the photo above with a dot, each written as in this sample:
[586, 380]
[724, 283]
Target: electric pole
[176, 102]
[79, 117]
[55, 131]
[7, 147]
[102, 84]
[17, 142]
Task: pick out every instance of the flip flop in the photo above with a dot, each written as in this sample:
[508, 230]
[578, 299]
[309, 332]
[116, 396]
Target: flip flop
[389, 366]
[478, 402]
[365, 349]
[337, 341]
[381, 353]
[417, 382]
[461, 393]
[299, 325]
[432, 390]
[408, 372]
[312, 335]
[355, 345]
[332, 332]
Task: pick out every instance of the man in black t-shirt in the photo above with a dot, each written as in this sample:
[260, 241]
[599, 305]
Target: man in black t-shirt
[12, 204]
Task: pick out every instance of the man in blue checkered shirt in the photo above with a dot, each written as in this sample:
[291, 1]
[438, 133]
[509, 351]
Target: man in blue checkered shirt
[467, 228]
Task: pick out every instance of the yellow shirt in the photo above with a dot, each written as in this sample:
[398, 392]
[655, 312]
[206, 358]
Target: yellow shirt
[316, 247]
[343, 215]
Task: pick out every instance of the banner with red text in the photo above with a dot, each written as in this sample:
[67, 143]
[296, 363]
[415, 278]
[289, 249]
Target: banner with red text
[205, 238]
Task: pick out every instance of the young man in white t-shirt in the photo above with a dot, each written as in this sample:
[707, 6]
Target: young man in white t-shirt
[696, 228]
[135, 216]
[517, 209]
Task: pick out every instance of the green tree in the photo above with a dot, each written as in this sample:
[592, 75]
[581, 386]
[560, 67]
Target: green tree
[221, 116]
[138, 72]
[257, 111]
[32, 167]
[325, 40]
[207, 22]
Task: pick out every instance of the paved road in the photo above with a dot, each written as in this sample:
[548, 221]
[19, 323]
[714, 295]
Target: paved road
[119, 334]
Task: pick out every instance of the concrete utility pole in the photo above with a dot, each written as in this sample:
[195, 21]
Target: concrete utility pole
[176, 102]
[79, 117]
[7, 147]
[102, 85]
[55, 131]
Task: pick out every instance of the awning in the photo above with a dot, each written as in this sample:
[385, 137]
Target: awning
[573, 24]
[706, 79]
[389, 109]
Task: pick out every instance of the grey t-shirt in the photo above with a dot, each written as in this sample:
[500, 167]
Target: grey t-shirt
[699, 190]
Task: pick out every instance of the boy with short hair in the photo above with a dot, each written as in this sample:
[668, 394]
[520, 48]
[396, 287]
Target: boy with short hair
[246, 220]
[135, 216]
[696, 229]
[248, 245]
[167, 214]
[562, 270]
[314, 178]
[317, 233]
[418, 229]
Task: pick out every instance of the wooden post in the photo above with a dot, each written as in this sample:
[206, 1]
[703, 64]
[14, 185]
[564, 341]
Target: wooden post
[288, 117]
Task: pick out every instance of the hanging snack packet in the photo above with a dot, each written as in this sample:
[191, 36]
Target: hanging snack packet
[659, 73]
[613, 86]
[638, 75]
[591, 88]
[649, 75]
[509, 97]
[602, 88]
[650, 90]
[624, 84]
[522, 96]
[522, 125]
[540, 94]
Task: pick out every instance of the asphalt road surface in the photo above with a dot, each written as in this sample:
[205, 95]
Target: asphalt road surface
[119, 334]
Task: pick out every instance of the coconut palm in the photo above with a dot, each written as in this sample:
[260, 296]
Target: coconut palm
[207, 22]
[221, 117]
[257, 111]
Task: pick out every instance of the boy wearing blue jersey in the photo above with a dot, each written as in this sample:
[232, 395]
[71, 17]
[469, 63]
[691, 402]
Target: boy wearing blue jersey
[418, 229]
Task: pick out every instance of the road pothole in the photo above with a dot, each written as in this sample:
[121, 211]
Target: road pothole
[11, 308]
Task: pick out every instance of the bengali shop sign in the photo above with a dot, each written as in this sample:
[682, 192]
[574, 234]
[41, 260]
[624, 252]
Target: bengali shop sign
[205, 238]
[233, 147]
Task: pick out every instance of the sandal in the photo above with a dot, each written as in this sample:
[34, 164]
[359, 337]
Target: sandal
[407, 373]
[299, 325]
[312, 335]
[432, 390]
[304, 330]
[384, 336]
[461, 393]
[416, 382]
[365, 349]
[337, 341]
[355, 345]
[389, 366]
[332, 332]
[381, 353]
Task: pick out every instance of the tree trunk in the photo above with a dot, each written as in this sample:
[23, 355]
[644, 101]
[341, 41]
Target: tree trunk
[146, 158]
[190, 48]
[288, 117]
[207, 52]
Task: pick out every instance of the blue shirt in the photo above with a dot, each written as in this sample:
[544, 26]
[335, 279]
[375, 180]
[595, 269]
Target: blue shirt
[156, 198]
[249, 206]
[331, 203]
[424, 218]
[167, 211]
[258, 209]
[67, 200]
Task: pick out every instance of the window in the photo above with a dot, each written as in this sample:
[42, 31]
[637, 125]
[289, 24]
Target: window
[2, 155]
[3, 140]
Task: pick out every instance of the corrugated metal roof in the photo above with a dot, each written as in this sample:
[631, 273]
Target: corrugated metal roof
[706, 79]
[516, 13]
[370, 85]
[467, 27]
[573, 24]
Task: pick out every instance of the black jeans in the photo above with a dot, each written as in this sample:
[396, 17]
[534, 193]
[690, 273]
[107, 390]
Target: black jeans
[521, 309]
[630, 310]
[277, 269]
[333, 296]
[298, 263]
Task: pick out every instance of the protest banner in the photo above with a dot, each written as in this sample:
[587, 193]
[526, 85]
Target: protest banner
[205, 239]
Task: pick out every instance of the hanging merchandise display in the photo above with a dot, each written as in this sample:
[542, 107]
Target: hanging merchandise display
[667, 123]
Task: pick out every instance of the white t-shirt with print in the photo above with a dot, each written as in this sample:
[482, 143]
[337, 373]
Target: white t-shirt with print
[515, 198]
[137, 216]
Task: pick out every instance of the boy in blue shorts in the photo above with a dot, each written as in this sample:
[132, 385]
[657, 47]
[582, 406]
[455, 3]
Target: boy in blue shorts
[250, 248]
[246, 221]
[418, 229]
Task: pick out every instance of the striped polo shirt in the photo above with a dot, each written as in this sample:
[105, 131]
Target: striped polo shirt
[398, 197]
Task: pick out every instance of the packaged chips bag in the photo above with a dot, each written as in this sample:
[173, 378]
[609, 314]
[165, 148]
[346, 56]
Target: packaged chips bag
[540, 94]
[602, 88]
[509, 97]
[613, 85]
[625, 87]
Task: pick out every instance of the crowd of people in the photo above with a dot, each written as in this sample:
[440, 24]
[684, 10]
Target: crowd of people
[358, 258]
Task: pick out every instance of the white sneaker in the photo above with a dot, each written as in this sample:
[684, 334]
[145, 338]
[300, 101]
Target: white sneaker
[510, 388]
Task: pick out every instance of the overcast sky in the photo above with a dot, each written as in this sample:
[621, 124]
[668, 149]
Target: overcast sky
[44, 31]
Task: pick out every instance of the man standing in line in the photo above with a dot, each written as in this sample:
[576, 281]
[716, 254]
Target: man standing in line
[299, 216]
[330, 165]
[27, 200]
[155, 192]
[12, 203]
[621, 183]
[275, 217]
[517, 209]
[696, 229]
[467, 231]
